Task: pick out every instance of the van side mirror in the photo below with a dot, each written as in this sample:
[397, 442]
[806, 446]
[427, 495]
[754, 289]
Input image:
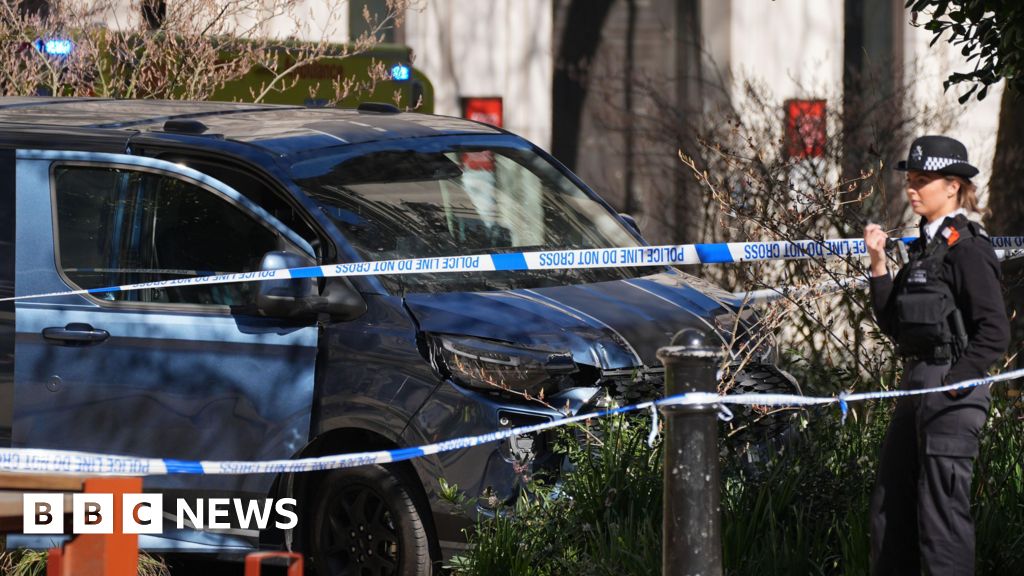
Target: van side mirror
[632, 223]
[298, 298]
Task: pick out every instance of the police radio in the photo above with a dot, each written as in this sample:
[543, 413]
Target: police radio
[900, 248]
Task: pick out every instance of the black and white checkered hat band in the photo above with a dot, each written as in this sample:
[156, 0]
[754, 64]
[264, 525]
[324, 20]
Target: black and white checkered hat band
[936, 163]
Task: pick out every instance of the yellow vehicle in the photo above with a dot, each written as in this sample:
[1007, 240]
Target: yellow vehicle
[395, 60]
[398, 82]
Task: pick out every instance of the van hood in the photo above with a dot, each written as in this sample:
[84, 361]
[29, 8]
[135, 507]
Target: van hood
[611, 325]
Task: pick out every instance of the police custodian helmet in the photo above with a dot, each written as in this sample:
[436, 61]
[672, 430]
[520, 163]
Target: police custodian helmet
[939, 154]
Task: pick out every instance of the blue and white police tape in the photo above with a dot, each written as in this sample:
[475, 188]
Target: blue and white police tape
[765, 295]
[28, 460]
[680, 254]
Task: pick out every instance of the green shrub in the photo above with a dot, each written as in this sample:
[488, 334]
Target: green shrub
[803, 512]
[603, 517]
[999, 489]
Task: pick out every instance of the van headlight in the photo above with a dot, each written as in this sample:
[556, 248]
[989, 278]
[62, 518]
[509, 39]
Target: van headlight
[498, 366]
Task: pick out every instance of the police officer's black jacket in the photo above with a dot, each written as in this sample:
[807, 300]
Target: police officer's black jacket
[972, 271]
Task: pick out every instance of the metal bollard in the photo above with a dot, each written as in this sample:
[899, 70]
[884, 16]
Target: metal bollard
[691, 538]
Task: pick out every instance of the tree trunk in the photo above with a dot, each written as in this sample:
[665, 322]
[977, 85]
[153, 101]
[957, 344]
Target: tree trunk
[690, 219]
[576, 48]
[1006, 202]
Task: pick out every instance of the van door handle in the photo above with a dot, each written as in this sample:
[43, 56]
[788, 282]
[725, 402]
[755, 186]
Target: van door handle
[75, 334]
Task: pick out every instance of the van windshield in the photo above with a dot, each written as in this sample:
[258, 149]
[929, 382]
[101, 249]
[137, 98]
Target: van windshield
[430, 200]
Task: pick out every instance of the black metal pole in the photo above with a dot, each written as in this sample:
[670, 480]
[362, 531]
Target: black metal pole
[691, 540]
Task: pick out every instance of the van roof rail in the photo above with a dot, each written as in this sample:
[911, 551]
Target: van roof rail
[378, 107]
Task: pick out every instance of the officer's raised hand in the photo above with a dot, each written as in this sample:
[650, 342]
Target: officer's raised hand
[875, 238]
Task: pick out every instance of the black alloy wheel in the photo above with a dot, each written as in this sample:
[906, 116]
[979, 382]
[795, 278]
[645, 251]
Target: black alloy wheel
[366, 524]
[761, 423]
[756, 434]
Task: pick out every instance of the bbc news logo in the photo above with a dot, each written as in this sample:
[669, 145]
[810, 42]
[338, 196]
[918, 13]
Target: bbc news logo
[93, 513]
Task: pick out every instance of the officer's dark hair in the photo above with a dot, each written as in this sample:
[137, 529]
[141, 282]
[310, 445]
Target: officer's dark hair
[967, 196]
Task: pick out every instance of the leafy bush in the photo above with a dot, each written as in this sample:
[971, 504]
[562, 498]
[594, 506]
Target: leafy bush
[603, 517]
[998, 495]
[805, 512]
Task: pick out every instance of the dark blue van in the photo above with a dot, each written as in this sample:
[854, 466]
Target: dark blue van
[103, 192]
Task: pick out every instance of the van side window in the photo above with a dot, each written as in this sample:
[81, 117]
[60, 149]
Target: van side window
[118, 226]
[253, 188]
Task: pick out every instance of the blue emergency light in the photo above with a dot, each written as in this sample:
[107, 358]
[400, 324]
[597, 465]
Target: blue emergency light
[400, 72]
[55, 46]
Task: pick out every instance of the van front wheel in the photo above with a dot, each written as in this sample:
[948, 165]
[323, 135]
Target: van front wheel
[366, 522]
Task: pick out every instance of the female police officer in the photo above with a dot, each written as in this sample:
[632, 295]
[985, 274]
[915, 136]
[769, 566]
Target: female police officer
[945, 311]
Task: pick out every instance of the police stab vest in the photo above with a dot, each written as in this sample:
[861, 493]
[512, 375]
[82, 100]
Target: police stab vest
[929, 326]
